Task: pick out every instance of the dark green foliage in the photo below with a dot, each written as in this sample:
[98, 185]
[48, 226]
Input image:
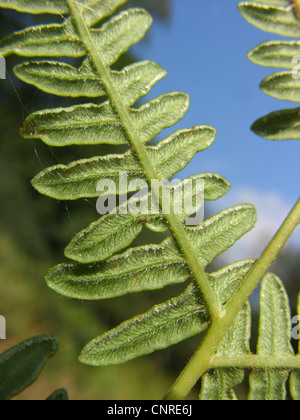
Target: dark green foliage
[21, 365]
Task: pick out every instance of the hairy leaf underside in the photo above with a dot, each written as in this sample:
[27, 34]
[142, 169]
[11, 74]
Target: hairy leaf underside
[275, 326]
[102, 267]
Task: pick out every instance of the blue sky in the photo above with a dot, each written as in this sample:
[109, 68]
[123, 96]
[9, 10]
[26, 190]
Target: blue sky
[204, 48]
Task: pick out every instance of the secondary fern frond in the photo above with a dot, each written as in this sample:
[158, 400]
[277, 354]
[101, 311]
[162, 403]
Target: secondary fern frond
[219, 384]
[281, 17]
[275, 359]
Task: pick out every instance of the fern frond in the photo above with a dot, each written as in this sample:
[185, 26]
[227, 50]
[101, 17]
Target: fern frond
[180, 257]
[98, 270]
[282, 18]
[274, 340]
[275, 358]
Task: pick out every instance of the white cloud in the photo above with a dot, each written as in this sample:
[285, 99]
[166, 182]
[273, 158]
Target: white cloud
[272, 209]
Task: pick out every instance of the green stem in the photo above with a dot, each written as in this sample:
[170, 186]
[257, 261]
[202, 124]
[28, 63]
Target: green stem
[256, 362]
[266, 260]
[202, 359]
[176, 227]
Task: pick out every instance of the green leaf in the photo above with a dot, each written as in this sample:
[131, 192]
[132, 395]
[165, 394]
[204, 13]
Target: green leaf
[143, 268]
[44, 40]
[274, 340]
[282, 85]
[59, 395]
[93, 10]
[295, 377]
[279, 54]
[81, 178]
[176, 151]
[96, 124]
[62, 79]
[215, 186]
[21, 365]
[295, 385]
[113, 232]
[80, 124]
[120, 33]
[218, 384]
[279, 125]
[278, 20]
[164, 325]
[113, 39]
[99, 9]
[37, 6]
[217, 234]
[152, 267]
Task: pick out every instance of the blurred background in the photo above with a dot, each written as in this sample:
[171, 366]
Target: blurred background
[203, 46]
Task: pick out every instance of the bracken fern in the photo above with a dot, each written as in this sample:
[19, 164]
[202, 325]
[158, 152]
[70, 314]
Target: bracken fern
[216, 301]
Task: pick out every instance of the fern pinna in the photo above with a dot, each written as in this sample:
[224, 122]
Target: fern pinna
[101, 268]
